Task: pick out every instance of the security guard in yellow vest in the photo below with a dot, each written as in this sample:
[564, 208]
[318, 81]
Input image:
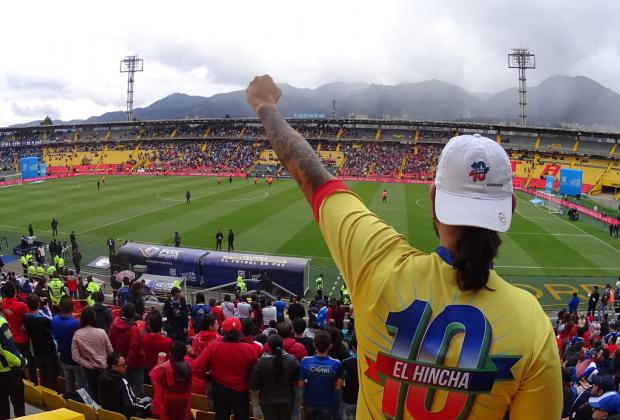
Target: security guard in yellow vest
[345, 295]
[56, 290]
[32, 271]
[91, 288]
[51, 270]
[11, 362]
[24, 262]
[60, 264]
[40, 271]
[241, 286]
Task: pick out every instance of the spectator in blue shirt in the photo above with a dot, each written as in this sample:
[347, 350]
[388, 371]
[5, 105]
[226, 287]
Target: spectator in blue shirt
[199, 310]
[123, 292]
[63, 328]
[175, 310]
[321, 316]
[573, 304]
[319, 376]
[280, 308]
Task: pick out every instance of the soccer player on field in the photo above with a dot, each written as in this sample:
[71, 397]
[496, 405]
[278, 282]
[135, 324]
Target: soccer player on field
[440, 335]
[385, 195]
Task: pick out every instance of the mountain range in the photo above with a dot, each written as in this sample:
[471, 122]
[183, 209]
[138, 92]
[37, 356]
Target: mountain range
[558, 101]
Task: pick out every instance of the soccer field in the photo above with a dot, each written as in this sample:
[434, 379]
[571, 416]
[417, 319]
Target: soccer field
[539, 250]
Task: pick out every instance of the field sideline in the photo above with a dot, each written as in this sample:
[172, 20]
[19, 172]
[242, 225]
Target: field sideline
[539, 246]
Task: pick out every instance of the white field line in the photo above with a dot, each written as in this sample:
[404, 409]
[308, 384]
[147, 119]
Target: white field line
[581, 230]
[417, 203]
[138, 215]
[262, 195]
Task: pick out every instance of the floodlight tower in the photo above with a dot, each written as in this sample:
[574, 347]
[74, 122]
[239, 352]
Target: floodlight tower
[522, 59]
[334, 109]
[131, 64]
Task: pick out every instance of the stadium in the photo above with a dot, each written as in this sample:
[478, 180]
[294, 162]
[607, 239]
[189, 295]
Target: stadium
[128, 182]
[148, 166]
[386, 224]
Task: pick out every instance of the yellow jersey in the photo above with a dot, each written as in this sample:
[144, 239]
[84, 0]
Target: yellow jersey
[426, 349]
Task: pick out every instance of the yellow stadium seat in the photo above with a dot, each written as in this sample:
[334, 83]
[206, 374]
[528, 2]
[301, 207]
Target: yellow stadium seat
[32, 395]
[200, 402]
[204, 415]
[60, 414]
[78, 407]
[52, 400]
[109, 415]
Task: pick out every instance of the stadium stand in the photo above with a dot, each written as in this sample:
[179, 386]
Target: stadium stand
[362, 148]
[346, 148]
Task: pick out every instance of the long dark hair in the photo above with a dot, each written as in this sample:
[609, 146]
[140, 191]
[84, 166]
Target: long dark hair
[275, 344]
[476, 249]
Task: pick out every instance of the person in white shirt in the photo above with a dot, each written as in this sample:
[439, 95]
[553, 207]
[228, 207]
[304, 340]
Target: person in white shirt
[243, 309]
[228, 308]
[270, 313]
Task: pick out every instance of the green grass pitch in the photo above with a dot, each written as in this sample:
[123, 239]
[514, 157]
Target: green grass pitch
[539, 250]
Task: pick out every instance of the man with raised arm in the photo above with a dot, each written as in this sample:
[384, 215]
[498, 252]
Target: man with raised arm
[438, 334]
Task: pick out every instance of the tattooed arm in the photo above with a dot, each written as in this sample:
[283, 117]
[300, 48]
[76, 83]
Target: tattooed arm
[292, 149]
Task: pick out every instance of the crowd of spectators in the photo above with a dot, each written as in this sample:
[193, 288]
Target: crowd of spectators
[385, 160]
[436, 136]
[422, 164]
[358, 133]
[10, 156]
[588, 341]
[222, 350]
[224, 149]
[325, 145]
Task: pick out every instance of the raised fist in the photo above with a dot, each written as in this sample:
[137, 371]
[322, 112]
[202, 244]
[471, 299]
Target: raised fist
[262, 91]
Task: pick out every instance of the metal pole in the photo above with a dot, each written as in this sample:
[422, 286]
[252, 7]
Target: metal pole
[522, 59]
[130, 65]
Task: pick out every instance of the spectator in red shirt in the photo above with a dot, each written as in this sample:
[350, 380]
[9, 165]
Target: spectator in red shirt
[172, 399]
[154, 342]
[14, 312]
[125, 339]
[230, 362]
[612, 346]
[247, 336]
[217, 310]
[72, 285]
[207, 334]
[338, 314]
[289, 344]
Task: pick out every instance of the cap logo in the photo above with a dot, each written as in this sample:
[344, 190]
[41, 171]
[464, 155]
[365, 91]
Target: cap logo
[478, 171]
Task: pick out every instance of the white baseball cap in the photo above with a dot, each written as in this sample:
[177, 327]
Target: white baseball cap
[474, 184]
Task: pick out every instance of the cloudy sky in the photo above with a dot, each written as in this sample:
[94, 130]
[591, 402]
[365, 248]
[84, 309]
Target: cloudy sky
[62, 58]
